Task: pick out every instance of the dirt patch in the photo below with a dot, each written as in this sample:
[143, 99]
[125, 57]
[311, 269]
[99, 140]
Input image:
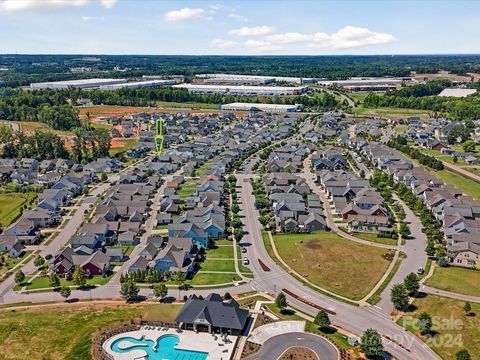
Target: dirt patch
[314, 245]
[298, 353]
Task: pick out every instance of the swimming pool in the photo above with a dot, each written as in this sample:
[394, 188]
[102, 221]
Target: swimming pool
[162, 349]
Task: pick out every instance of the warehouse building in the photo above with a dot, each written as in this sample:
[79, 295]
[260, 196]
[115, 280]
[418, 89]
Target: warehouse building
[457, 92]
[243, 90]
[253, 78]
[363, 82]
[138, 84]
[77, 84]
[270, 108]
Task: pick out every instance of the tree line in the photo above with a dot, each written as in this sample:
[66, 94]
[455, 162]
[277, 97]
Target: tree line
[46, 106]
[400, 143]
[425, 97]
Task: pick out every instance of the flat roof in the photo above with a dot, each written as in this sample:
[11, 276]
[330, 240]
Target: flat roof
[80, 82]
[253, 77]
[240, 87]
[457, 92]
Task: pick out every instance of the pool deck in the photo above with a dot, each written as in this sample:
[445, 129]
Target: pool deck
[189, 340]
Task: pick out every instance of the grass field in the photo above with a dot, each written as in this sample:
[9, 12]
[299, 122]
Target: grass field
[463, 281]
[223, 252]
[187, 189]
[57, 332]
[212, 279]
[334, 263]
[125, 145]
[392, 112]
[454, 330]
[10, 204]
[30, 127]
[203, 168]
[467, 186]
[187, 105]
[43, 282]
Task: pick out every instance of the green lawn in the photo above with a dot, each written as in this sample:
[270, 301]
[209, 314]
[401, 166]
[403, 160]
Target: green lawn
[212, 279]
[375, 298]
[218, 265]
[187, 189]
[35, 126]
[43, 282]
[128, 144]
[454, 329]
[459, 280]
[10, 204]
[334, 263]
[57, 333]
[372, 237]
[393, 112]
[222, 252]
[203, 168]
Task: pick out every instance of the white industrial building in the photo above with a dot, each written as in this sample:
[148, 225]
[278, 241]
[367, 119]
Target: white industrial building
[255, 78]
[271, 108]
[457, 92]
[243, 90]
[138, 84]
[363, 82]
[77, 84]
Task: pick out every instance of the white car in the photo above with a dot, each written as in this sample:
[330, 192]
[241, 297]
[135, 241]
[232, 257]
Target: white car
[246, 261]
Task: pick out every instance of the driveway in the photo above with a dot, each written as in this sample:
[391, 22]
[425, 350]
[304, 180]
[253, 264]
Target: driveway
[276, 346]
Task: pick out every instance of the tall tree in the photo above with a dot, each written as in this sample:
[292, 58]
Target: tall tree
[371, 343]
[399, 296]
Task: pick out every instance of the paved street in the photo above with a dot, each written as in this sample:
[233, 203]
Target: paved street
[276, 346]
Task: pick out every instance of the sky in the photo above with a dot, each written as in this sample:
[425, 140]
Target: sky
[229, 27]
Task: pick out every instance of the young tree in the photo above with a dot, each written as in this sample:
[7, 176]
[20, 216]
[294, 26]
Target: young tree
[79, 278]
[39, 261]
[404, 230]
[65, 292]
[411, 283]
[467, 308]
[322, 319]
[399, 296]
[281, 301]
[371, 343]
[19, 277]
[103, 177]
[54, 280]
[160, 290]
[129, 290]
[463, 355]
[426, 323]
[179, 279]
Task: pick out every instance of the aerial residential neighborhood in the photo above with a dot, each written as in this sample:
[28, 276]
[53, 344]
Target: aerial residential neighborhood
[218, 181]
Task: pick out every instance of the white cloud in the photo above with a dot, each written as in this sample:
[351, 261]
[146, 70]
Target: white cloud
[260, 46]
[184, 14]
[108, 4]
[20, 5]
[238, 17]
[352, 37]
[223, 44]
[253, 31]
[91, 18]
[290, 37]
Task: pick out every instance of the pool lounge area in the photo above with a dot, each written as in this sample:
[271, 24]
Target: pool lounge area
[157, 343]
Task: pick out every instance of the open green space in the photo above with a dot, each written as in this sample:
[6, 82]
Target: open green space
[11, 204]
[43, 282]
[453, 329]
[220, 252]
[35, 126]
[392, 112]
[127, 144]
[456, 279]
[334, 263]
[187, 189]
[212, 279]
[58, 332]
[375, 298]
[218, 265]
[372, 237]
[467, 186]
[203, 168]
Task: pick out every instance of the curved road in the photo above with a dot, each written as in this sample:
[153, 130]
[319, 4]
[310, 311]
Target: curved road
[277, 345]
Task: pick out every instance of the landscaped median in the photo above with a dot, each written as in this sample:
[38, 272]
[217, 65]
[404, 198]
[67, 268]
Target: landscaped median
[333, 263]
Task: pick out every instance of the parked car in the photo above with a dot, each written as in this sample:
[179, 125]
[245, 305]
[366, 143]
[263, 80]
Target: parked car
[420, 270]
[244, 249]
[246, 261]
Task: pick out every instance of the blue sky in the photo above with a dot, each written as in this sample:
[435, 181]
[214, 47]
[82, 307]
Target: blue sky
[239, 27]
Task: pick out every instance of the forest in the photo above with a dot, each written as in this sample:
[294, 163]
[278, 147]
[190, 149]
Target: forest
[425, 97]
[24, 69]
